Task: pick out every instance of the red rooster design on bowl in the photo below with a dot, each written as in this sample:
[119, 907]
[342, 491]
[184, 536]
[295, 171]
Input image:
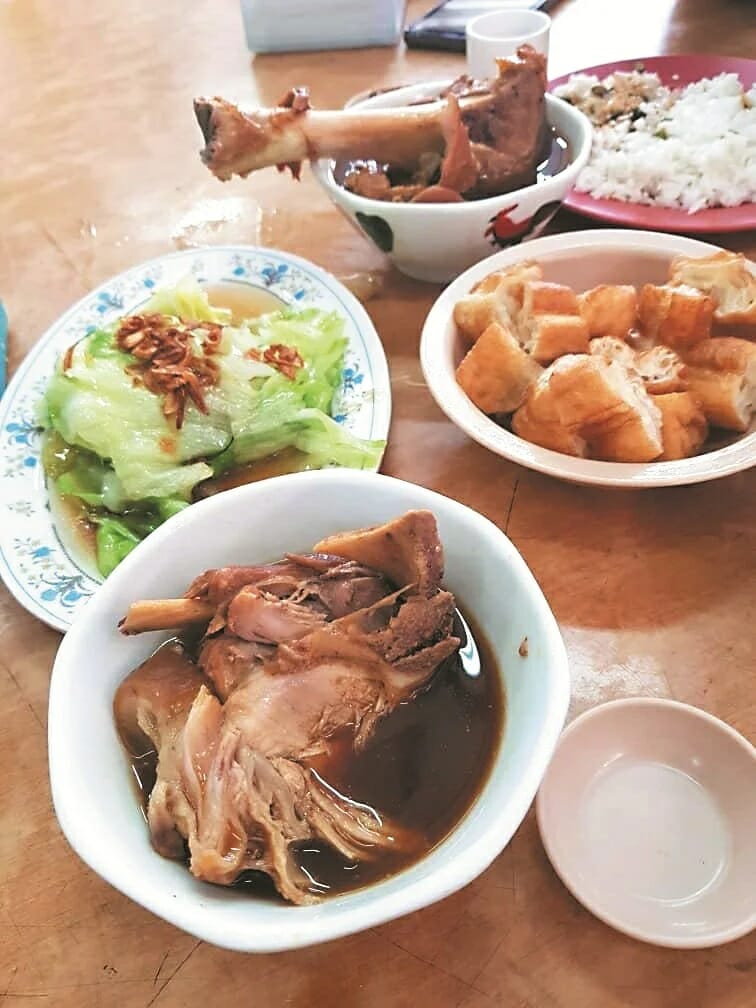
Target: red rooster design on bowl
[502, 231]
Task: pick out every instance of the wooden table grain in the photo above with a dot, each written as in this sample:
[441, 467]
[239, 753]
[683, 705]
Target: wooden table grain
[654, 591]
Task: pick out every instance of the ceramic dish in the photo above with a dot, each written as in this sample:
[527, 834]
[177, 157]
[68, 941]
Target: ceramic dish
[93, 793]
[436, 241]
[581, 259]
[45, 576]
[673, 71]
[648, 814]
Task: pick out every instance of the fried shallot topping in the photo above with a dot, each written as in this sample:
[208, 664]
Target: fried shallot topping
[285, 359]
[168, 362]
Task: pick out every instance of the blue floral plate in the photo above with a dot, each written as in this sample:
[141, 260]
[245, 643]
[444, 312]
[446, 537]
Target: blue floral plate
[39, 569]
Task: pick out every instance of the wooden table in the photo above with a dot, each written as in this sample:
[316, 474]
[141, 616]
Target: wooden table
[654, 591]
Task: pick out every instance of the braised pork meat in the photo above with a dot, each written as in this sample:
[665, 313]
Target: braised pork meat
[292, 657]
[479, 138]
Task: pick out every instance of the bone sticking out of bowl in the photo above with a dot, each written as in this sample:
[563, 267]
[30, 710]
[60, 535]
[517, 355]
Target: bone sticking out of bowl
[238, 142]
[165, 614]
[492, 133]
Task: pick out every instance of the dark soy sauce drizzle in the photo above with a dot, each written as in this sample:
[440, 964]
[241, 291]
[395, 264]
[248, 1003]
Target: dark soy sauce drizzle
[424, 767]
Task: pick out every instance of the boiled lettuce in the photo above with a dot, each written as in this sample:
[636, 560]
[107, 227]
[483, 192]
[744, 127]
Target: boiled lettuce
[116, 536]
[132, 468]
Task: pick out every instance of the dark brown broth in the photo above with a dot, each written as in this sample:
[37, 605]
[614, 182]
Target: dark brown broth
[423, 767]
[556, 160]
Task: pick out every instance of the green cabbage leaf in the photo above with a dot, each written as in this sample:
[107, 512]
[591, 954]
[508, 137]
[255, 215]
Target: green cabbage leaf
[129, 465]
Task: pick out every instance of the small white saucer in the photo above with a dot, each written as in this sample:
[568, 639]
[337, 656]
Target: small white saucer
[648, 815]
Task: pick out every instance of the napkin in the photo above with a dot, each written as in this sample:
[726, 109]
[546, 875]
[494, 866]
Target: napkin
[289, 25]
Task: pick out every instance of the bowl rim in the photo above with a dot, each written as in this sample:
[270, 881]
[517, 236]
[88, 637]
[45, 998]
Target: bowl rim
[302, 926]
[632, 706]
[725, 461]
[323, 167]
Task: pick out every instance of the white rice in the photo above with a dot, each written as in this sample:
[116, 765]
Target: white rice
[690, 149]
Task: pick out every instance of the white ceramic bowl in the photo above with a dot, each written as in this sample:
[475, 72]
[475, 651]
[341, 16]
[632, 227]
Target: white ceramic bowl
[436, 241]
[92, 789]
[581, 259]
[648, 814]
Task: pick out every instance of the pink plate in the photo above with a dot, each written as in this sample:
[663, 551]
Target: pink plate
[674, 71]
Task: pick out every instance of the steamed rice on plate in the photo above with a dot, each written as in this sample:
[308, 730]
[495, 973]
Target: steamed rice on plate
[690, 148]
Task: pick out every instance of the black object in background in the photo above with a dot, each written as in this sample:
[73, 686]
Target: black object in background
[444, 26]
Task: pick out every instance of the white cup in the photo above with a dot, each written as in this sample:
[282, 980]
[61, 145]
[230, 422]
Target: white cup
[499, 34]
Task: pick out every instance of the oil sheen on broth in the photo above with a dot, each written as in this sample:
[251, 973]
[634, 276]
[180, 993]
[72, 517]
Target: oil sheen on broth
[423, 767]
